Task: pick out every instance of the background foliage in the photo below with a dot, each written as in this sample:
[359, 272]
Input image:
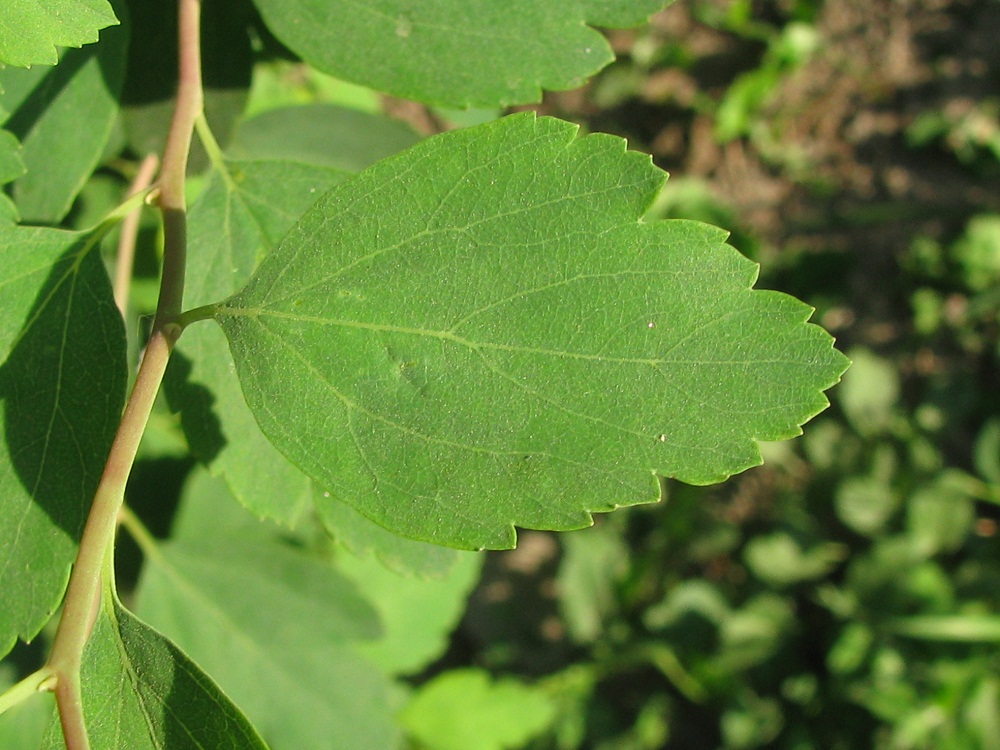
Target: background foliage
[844, 595]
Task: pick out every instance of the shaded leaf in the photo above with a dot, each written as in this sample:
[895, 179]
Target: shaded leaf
[140, 691]
[11, 163]
[322, 134]
[454, 52]
[275, 627]
[417, 615]
[30, 30]
[62, 388]
[11, 167]
[466, 710]
[63, 117]
[240, 217]
[479, 333]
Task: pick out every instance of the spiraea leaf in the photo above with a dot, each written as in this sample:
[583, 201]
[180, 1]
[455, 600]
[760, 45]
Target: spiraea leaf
[455, 52]
[480, 333]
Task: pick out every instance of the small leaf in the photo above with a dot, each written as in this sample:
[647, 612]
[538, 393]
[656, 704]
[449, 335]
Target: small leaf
[141, 692]
[479, 333]
[30, 30]
[939, 517]
[780, 561]
[466, 710]
[454, 52]
[63, 117]
[275, 627]
[62, 388]
[592, 564]
[239, 218]
[869, 393]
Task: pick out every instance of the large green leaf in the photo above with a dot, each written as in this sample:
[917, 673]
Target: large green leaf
[454, 52]
[30, 30]
[479, 333]
[141, 692]
[275, 626]
[242, 214]
[62, 388]
[64, 117]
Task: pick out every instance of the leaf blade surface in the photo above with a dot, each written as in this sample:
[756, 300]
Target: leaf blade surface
[62, 388]
[276, 627]
[141, 692]
[454, 52]
[479, 334]
[64, 117]
[240, 217]
[30, 30]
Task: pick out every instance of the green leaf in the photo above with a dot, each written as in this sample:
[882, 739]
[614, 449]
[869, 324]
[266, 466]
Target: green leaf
[11, 167]
[23, 725]
[275, 627]
[30, 30]
[454, 52]
[362, 538]
[466, 710]
[779, 559]
[140, 691]
[417, 615]
[939, 517]
[479, 333]
[11, 163]
[322, 134]
[240, 217]
[62, 388]
[969, 628]
[592, 564]
[869, 393]
[63, 117]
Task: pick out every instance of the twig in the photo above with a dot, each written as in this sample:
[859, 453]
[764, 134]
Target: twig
[84, 590]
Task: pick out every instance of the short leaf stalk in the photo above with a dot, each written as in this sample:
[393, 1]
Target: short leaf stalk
[84, 591]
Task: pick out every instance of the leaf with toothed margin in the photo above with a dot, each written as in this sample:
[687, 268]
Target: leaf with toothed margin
[479, 333]
[458, 53]
[30, 30]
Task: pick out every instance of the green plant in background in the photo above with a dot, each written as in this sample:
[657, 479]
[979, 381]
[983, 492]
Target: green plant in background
[475, 334]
